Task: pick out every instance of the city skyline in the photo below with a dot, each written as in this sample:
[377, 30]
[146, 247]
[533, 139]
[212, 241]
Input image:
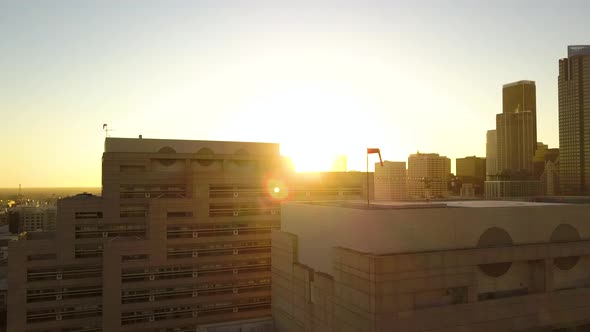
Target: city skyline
[303, 76]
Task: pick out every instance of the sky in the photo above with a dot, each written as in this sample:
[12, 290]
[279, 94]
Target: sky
[321, 78]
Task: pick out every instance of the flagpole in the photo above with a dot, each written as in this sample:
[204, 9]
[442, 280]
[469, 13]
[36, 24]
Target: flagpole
[368, 179]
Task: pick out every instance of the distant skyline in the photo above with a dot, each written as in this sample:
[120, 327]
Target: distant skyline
[321, 78]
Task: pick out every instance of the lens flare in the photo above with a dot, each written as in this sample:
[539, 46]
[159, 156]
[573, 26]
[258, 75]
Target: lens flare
[277, 189]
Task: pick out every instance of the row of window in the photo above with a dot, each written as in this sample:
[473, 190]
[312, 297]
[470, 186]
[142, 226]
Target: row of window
[88, 231]
[64, 273]
[187, 311]
[196, 230]
[53, 314]
[242, 209]
[56, 294]
[194, 271]
[161, 294]
[220, 249]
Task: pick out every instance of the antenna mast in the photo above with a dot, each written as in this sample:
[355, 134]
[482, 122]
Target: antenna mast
[106, 129]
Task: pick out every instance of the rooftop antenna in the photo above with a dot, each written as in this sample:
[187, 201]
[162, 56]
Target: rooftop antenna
[106, 129]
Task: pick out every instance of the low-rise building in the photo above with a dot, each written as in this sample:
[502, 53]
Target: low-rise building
[445, 267]
[513, 189]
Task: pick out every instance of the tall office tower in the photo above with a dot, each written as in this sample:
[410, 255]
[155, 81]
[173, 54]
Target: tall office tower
[472, 170]
[390, 180]
[179, 239]
[428, 175]
[491, 154]
[516, 142]
[574, 121]
[521, 96]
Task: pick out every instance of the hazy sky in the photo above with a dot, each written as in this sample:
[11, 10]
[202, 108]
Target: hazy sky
[321, 78]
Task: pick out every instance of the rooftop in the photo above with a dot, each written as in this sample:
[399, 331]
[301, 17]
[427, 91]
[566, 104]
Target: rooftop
[417, 227]
[150, 145]
[522, 82]
[574, 50]
[395, 205]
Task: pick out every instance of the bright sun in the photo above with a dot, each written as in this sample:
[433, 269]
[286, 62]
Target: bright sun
[306, 158]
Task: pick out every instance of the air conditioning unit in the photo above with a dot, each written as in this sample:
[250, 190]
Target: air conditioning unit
[195, 274]
[152, 277]
[236, 213]
[58, 297]
[58, 276]
[152, 298]
[236, 194]
[195, 234]
[236, 232]
[105, 234]
[195, 254]
[235, 251]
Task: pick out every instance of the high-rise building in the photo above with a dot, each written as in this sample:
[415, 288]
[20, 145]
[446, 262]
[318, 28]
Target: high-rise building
[428, 175]
[516, 142]
[472, 170]
[491, 154]
[390, 180]
[516, 128]
[574, 121]
[521, 96]
[179, 239]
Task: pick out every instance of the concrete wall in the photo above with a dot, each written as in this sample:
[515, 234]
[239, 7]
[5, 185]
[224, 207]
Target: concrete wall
[424, 269]
[419, 229]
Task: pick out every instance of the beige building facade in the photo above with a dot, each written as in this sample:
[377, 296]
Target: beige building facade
[178, 241]
[390, 180]
[428, 175]
[457, 266]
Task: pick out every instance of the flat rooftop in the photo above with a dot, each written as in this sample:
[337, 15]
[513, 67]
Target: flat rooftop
[414, 227]
[151, 145]
[394, 205]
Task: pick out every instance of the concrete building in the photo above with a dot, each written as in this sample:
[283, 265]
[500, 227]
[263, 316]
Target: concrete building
[390, 180]
[29, 218]
[574, 121]
[178, 241]
[458, 266]
[513, 189]
[472, 170]
[428, 175]
[550, 178]
[467, 190]
[328, 186]
[491, 154]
